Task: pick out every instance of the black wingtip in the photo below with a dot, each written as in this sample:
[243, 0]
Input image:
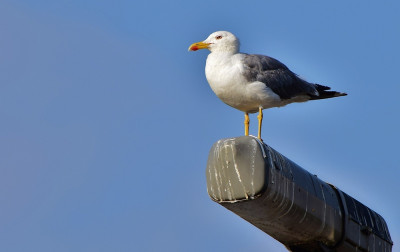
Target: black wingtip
[325, 94]
[340, 94]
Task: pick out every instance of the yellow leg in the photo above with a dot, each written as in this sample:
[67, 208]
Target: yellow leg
[246, 124]
[259, 117]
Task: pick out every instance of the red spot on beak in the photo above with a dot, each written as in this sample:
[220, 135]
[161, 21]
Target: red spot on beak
[194, 48]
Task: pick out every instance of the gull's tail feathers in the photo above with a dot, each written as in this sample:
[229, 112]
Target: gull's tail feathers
[324, 93]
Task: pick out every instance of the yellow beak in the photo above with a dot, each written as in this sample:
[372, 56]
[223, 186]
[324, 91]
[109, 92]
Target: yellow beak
[198, 45]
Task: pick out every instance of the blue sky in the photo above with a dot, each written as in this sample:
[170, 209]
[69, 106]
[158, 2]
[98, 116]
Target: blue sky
[107, 119]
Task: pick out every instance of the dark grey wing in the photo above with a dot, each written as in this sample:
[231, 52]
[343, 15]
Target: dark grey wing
[276, 76]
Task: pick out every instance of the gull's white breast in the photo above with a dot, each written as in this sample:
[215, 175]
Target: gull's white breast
[224, 73]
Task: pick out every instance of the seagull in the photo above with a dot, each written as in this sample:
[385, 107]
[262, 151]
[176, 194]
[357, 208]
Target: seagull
[253, 82]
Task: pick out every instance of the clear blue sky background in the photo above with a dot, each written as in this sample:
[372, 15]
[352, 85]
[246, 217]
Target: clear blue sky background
[107, 119]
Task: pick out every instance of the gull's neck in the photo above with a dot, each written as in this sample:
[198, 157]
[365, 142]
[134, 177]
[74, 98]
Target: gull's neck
[225, 50]
[222, 54]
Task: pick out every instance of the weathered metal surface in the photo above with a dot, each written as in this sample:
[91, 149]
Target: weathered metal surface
[364, 229]
[227, 180]
[287, 202]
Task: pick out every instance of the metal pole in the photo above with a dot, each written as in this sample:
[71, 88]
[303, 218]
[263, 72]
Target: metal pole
[285, 201]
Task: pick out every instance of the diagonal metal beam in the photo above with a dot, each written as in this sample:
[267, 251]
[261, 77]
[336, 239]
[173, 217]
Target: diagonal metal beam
[285, 201]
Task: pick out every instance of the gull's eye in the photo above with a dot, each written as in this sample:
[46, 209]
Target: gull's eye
[218, 37]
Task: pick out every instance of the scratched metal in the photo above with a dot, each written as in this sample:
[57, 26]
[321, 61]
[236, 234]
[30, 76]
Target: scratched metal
[225, 181]
[364, 228]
